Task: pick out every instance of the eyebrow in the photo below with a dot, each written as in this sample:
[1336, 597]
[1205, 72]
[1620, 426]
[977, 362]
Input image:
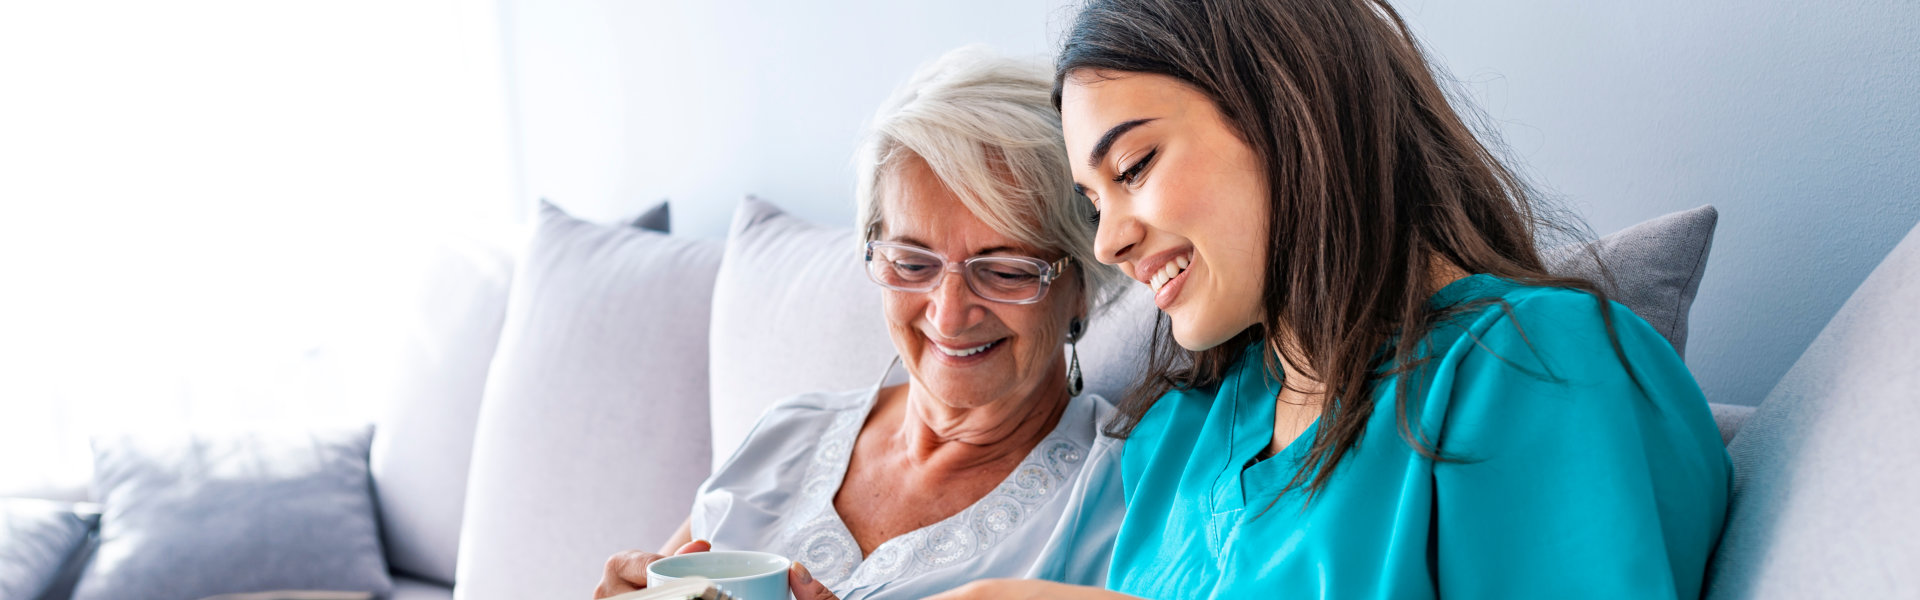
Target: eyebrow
[1107, 139]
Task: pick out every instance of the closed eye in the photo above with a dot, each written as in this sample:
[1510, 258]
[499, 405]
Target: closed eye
[1132, 174]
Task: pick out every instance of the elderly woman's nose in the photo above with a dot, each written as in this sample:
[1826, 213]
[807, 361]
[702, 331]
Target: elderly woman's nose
[953, 305]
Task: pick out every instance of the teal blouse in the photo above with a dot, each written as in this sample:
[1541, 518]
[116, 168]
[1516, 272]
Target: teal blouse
[1571, 482]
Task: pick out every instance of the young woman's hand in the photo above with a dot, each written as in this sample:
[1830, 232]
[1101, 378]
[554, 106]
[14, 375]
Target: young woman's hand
[1027, 589]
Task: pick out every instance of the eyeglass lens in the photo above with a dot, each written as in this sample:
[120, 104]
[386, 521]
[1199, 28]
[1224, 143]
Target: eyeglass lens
[994, 278]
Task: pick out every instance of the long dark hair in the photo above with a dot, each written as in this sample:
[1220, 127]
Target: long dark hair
[1372, 172]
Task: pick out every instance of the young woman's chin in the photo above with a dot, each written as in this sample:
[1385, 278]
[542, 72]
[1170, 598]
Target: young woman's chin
[1197, 334]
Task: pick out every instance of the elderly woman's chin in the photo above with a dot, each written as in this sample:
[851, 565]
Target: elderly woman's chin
[988, 375]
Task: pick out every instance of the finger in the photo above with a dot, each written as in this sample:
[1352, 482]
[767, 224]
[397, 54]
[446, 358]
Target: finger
[611, 586]
[805, 587]
[694, 546]
[627, 571]
[608, 589]
[610, 582]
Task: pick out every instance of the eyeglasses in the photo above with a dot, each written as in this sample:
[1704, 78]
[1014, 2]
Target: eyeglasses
[1009, 279]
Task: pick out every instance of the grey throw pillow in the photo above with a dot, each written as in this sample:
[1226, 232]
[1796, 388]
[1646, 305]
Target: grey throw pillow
[194, 515]
[36, 539]
[1656, 267]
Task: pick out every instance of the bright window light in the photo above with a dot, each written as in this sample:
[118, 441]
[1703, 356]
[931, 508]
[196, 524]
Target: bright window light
[202, 204]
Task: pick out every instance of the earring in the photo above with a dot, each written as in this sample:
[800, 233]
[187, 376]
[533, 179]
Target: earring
[1074, 383]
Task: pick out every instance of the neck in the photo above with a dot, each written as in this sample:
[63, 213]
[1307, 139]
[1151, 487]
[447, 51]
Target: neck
[937, 435]
[1440, 273]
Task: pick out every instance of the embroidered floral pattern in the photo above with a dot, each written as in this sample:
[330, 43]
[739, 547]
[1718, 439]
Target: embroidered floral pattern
[823, 543]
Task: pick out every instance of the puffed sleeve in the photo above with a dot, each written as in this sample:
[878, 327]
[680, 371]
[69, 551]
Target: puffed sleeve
[1571, 481]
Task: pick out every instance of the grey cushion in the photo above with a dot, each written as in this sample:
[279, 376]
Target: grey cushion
[36, 539]
[658, 218]
[434, 374]
[1827, 469]
[593, 435]
[1656, 267]
[784, 279]
[62, 586]
[190, 516]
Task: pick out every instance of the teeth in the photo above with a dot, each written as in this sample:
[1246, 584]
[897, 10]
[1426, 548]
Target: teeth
[1169, 271]
[967, 352]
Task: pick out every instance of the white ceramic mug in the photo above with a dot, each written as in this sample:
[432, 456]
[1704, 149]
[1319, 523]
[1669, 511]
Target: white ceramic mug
[744, 575]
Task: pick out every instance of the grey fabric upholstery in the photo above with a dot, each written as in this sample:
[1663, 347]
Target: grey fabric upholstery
[1656, 267]
[36, 539]
[191, 516]
[1729, 417]
[1827, 470]
[69, 577]
[414, 589]
[593, 434]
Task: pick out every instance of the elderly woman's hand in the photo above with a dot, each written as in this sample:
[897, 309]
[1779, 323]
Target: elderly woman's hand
[805, 587]
[1027, 589]
[627, 571]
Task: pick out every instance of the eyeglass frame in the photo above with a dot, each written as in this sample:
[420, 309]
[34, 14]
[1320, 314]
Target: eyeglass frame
[1049, 271]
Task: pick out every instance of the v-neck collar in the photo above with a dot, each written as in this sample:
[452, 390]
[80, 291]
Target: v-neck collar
[1253, 393]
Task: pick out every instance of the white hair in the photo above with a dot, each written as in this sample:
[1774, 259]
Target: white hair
[985, 125]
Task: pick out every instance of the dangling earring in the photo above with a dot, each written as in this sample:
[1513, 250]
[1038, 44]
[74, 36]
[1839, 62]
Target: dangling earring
[1074, 383]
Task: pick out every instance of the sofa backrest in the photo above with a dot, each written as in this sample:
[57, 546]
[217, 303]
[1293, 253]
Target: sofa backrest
[1827, 469]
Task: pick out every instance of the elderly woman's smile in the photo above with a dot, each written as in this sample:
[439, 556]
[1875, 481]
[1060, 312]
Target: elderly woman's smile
[959, 351]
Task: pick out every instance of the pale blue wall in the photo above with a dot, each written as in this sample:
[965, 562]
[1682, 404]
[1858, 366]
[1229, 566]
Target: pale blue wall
[1795, 119]
[623, 102]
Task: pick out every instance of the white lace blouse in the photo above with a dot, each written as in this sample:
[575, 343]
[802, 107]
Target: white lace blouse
[1053, 518]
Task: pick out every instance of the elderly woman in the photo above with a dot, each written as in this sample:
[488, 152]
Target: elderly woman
[986, 461]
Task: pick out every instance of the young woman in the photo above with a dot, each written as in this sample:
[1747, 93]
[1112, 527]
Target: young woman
[1375, 388]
